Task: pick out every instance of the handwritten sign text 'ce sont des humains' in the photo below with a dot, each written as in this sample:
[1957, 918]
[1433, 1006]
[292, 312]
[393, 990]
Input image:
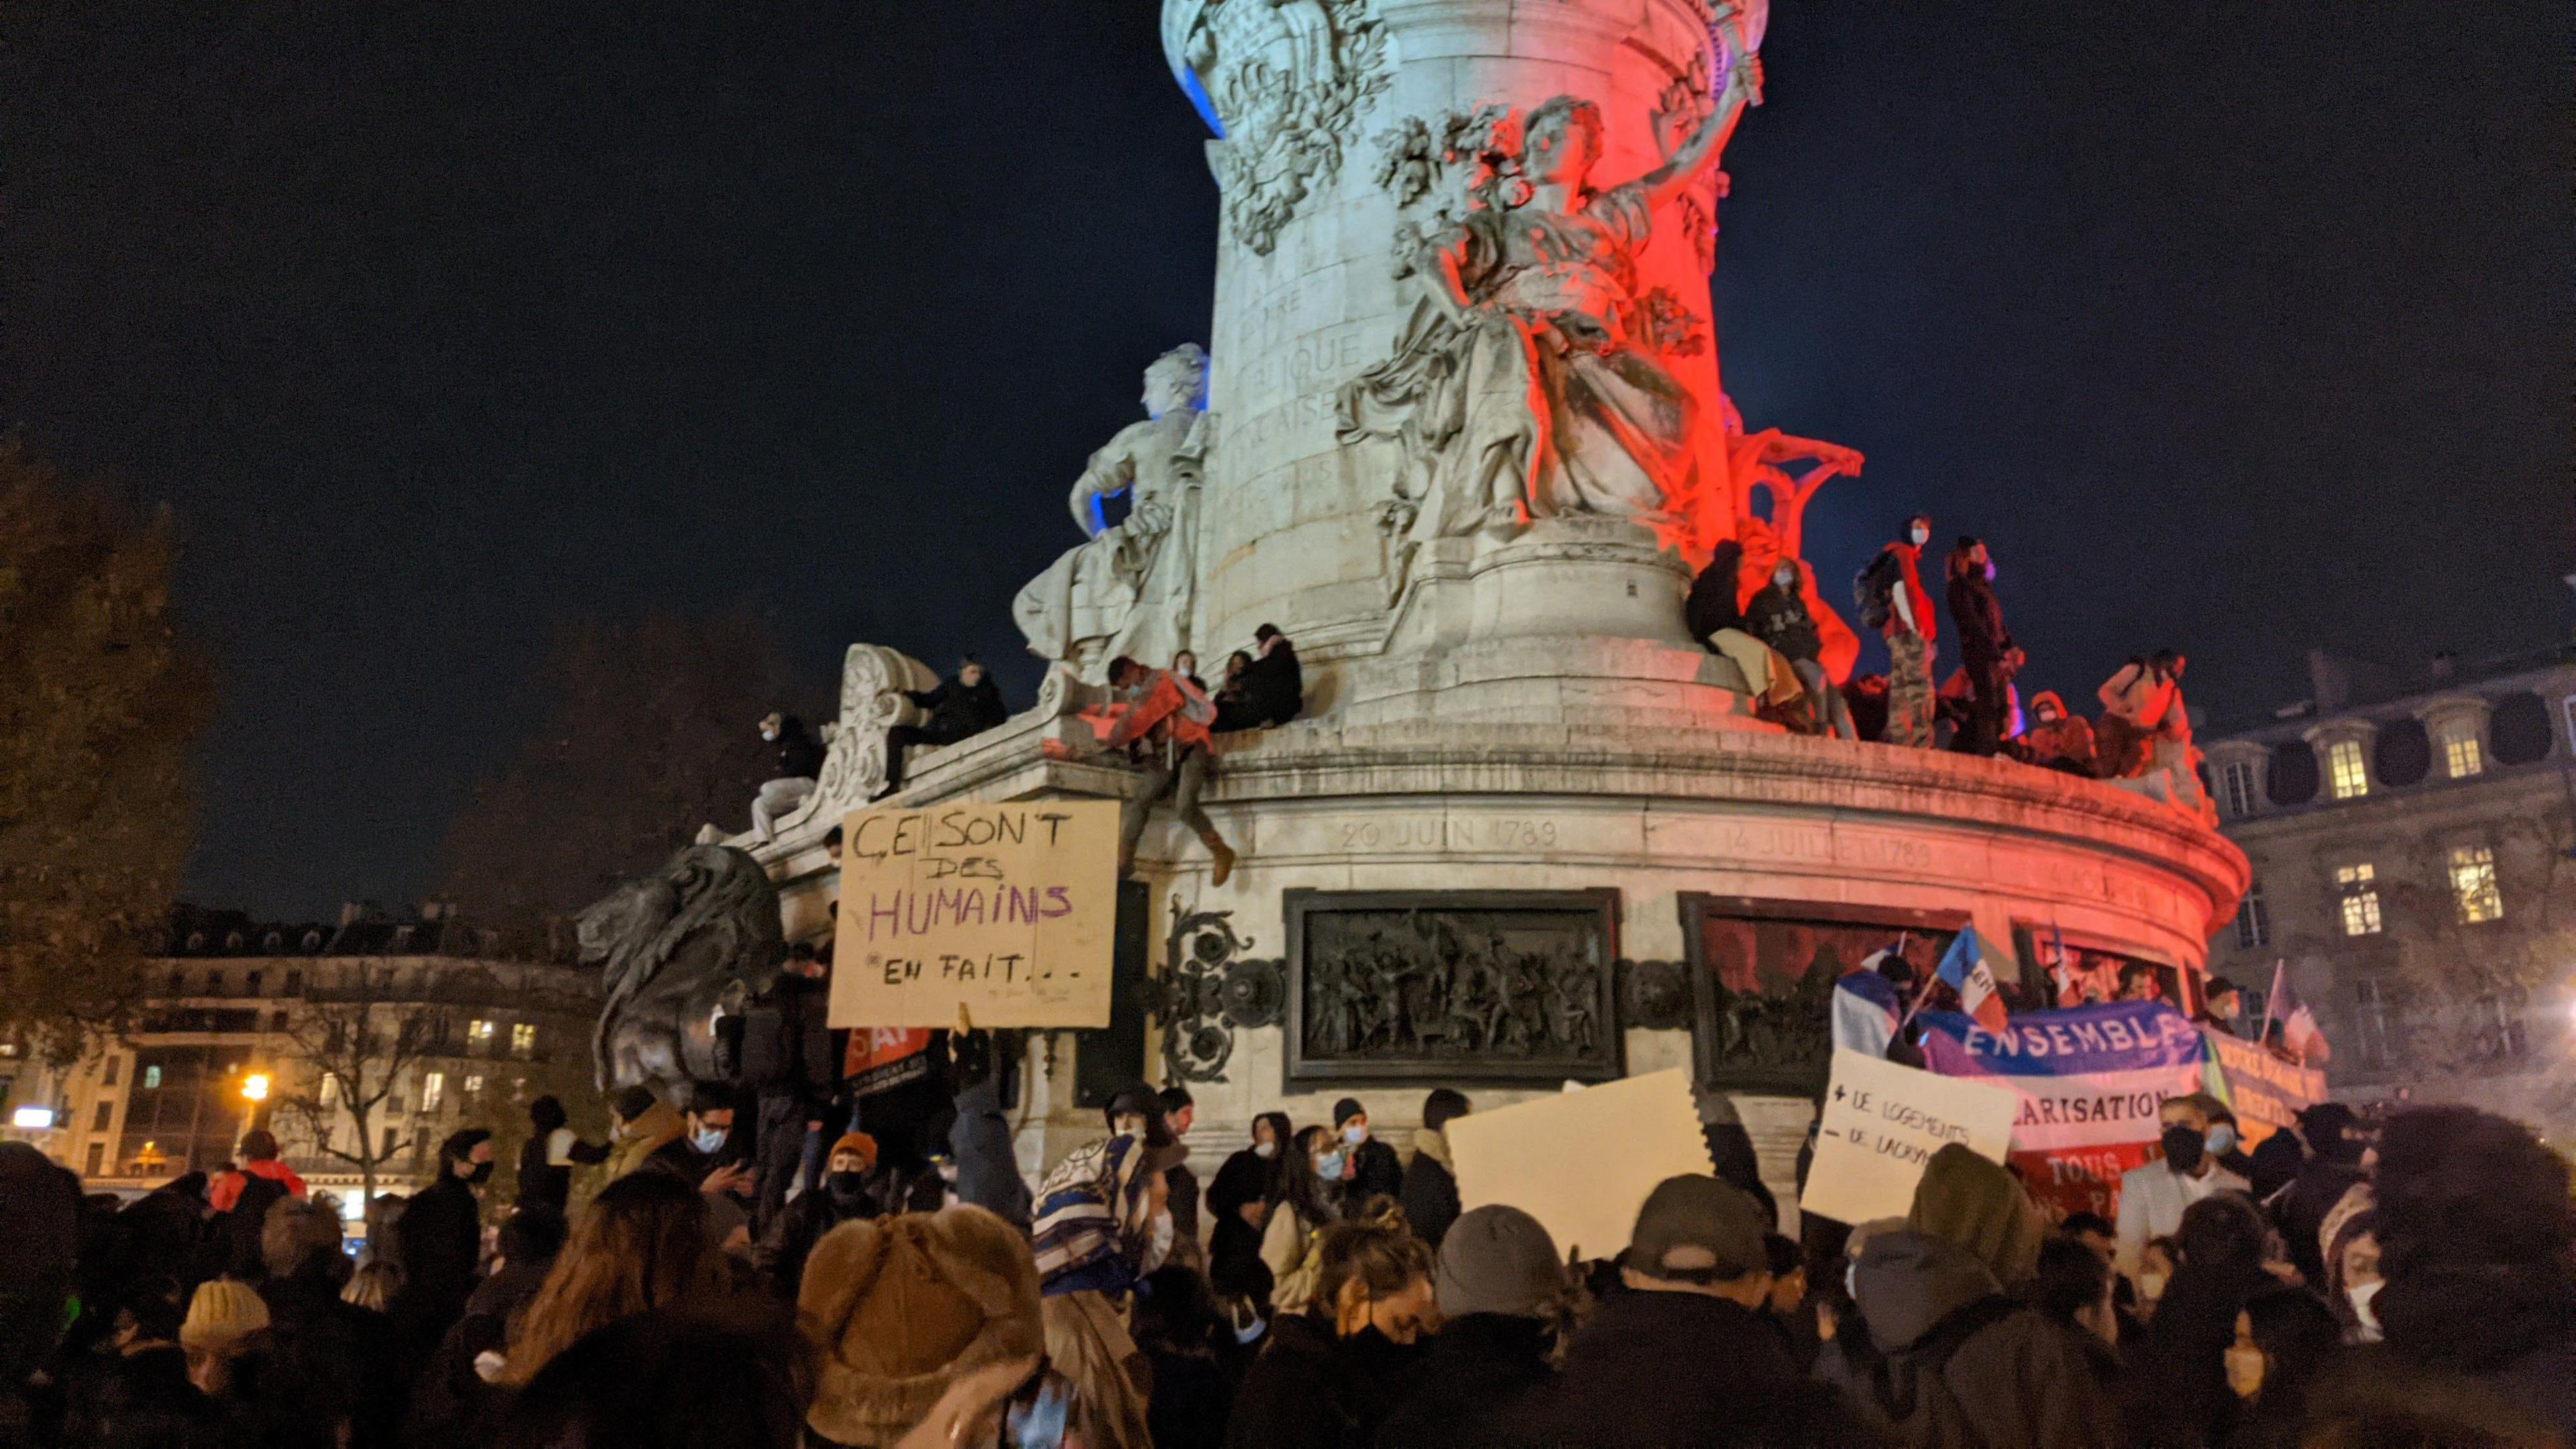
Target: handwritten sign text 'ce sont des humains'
[1008, 910]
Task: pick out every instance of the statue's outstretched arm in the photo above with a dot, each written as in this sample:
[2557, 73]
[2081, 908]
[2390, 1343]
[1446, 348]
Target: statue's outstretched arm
[1700, 152]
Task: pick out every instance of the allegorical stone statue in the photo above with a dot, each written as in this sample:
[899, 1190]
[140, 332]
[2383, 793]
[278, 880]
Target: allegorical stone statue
[1531, 382]
[1128, 590]
[698, 934]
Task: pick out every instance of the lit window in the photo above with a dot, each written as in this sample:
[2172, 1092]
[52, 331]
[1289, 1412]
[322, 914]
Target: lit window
[433, 1090]
[2460, 757]
[474, 1086]
[2253, 920]
[151, 1078]
[478, 1036]
[2346, 772]
[2359, 886]
[2238, 781]
[330, 1089]
[523, 1039]
[2473, 884]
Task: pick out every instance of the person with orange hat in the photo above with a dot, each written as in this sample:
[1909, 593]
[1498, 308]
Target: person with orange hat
[845, 1196]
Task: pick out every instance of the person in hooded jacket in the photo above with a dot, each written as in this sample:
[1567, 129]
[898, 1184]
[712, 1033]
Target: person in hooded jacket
[2334, 1140]
[553, 1149]
[2475, 1236]
[1430, 1193]
[1987, 652]
[639, 1126]
[1331, 1374]
[1272, 687]
[1942, 1349]
[1778, 617]
[2177, 1396]
[442, 1245]
[1238, 1206]
[1502, 1288]
[961, 708]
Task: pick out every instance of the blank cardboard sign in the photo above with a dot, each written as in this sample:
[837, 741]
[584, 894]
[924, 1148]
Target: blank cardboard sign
[1582, 1162]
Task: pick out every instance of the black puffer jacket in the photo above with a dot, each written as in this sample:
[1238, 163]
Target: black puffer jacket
[2011, 1376]
[1312, 1390]
[2508, 1329]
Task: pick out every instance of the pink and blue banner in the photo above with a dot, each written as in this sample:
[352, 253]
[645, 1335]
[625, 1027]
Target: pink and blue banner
[2090, 1079]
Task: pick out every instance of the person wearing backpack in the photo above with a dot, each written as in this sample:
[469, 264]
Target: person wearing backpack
[1890, 594]
[241, 1199]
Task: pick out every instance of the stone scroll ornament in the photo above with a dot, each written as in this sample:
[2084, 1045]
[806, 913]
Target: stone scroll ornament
[1209, 990]
[1532, 379]
[1283, 83]
[874, 681]
[1129, 587]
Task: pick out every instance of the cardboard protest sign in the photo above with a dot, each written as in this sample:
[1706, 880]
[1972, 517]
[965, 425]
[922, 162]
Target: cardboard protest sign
[1008, 910]
[1882, 1122]
[2090, 1080]
[1581, 1162]
[2265, 1092]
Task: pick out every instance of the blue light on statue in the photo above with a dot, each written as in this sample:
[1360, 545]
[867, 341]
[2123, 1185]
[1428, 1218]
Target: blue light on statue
[1199, 98]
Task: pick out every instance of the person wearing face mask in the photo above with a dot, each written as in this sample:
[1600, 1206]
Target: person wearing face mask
[1331, 1373]
[2154, 1196]
[1778, 616]
[2352, 1270]
[2056, 740]
[441, 1233]
[1306, 1199]
[1986, 648]
[1238, 1203]
[1375, 1170]
[2227, 1145]
[843, 1197]
[1912, 636]
[1103, 1224]
[2286, 1340]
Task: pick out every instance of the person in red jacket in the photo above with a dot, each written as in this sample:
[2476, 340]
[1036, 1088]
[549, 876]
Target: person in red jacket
[259, 1159]
[1161, 722]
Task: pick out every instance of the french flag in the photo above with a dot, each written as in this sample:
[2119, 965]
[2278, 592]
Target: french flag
[1964, 970]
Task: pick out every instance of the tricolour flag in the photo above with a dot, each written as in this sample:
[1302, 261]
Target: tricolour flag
[1964, 970]
[2300, 1034]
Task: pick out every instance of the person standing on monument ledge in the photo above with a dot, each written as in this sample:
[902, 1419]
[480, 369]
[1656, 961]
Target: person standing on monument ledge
[1902, 610]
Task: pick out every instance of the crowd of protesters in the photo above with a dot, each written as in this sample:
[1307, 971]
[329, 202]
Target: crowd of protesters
[1768, 629]
[2351, 1282]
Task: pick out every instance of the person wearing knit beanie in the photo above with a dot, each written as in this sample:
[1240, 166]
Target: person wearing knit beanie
[1501, 1284]
[221, 1318]
[1375, 1169]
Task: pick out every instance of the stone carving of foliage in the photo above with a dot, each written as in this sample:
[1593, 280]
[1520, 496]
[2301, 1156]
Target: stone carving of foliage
[873, 681]
[1291, 79]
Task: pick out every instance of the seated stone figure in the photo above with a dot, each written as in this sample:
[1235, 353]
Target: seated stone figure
[1127, 591]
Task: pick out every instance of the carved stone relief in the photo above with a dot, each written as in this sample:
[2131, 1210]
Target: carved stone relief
[873, 681]
[1288, 81]
[1452, 985]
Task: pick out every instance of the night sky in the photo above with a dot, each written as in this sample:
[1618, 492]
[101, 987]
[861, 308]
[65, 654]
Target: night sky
[2242, 329]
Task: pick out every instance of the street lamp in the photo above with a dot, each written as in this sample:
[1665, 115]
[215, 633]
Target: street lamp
[254, 1090]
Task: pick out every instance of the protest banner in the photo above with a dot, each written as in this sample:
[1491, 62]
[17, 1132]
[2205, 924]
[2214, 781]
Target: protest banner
[880, 1058]
[2091, 1080]
[2265, 1092]
[1005, 910]
[1882, 1122]
[1581, 1162]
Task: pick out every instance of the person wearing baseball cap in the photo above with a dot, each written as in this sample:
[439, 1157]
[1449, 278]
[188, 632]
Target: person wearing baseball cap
[1685, 1358]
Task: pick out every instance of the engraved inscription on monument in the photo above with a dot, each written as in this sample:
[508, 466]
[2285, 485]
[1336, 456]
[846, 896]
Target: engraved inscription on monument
[1453, 985]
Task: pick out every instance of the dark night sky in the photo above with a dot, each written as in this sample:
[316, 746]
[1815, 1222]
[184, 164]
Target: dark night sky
[2242, 328]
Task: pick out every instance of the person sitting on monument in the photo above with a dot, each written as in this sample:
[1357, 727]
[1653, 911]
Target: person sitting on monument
[1270, 688]
[1778, 617]
[2135, 704]
[2055, 740]
[1186, 665]
[1161, 723]
[960, 709]
[800, 759]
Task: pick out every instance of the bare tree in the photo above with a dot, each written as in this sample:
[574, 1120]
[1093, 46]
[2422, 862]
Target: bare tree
[356, 1037]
